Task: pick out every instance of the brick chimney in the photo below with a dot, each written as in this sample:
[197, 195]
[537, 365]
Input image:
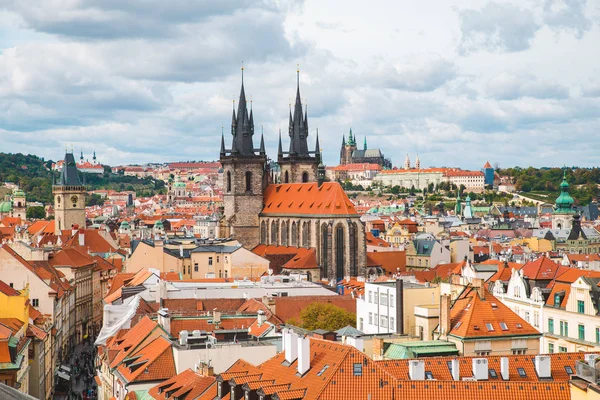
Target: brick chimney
[479, 285]
[445, 303]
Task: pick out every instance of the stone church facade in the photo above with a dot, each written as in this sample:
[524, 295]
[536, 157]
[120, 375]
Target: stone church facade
[303, 211]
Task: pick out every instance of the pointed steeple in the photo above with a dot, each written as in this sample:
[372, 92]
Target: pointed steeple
[365, 145]
[317, 152]
[279, 148]
[350, 139]
[94, 155]
[262, 145]
[242, 126]
[298, 125]
[81, 157]
[343, 140]
[222, 143]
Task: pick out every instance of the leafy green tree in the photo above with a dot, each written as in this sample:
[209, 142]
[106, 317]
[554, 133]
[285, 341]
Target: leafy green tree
[36, 212]
[324, 316]
[94, 200]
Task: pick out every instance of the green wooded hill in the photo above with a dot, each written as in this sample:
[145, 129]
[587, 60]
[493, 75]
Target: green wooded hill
[34, 175]
[545, 182]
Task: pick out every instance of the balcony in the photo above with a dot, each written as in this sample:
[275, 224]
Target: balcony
[586, 372]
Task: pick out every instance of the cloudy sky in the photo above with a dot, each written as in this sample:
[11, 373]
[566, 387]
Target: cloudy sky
[458, 82]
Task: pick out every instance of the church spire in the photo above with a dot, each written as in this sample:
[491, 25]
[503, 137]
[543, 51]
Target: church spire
[242, 126]
[262, 144]
[317, 152]
[343, 140]
[365, 145]
[81, 157]
[222, 143]
[279, 149]
[298, 128]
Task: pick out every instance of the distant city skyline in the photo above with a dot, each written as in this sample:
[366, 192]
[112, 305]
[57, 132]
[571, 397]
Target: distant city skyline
[513, 83]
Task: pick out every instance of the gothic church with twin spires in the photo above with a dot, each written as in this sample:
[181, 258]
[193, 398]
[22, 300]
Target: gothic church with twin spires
[301, 211]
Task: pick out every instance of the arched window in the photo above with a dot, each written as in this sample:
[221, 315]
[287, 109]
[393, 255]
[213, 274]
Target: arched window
[284, 233]
[287, 177]
[228, 181]
[248, 181]
[294, 234]
[263, 232]
[305, 177]
[339, 252]
[274, 232]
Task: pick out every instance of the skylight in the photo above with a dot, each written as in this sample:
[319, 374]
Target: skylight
[521, 372]
[519, 326]
[323, 370]
[489, 327]
[458, 324]
[503, 326]
[493, 373]
[569, 370]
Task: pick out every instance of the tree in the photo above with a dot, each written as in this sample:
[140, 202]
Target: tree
[324, 316]
[94, 200]
[36, 212]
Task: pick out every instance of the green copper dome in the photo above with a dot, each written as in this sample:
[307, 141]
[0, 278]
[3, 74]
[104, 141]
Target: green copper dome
[125, 225]
[564, 202]
[158, 224]
[5, 206]
[179, 185]
[18, 193]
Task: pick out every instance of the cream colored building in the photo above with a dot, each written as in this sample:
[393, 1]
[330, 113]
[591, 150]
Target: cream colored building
[407, 178]
[226, 261]
[377, 311]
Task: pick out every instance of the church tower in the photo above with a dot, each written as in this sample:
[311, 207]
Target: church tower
[245, 176]
[348, 149]
[298, 165]
[562, 216]
[69, 197]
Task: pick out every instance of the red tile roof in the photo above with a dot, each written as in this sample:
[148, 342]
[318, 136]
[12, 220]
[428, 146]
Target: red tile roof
[542, 269]
[375, 241]
[390, 261]
[307, 199]
[151, 362]
[187, 384]
[7, 290]
[470, 316]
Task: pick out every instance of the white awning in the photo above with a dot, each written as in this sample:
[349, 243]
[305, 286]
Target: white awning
[64, 376]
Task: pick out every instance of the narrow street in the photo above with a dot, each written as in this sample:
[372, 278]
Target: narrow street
[83, 385]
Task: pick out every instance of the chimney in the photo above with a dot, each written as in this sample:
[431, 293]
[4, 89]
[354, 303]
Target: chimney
[378, 348]
[303, 355]
[480, 287]
[183, 337]
[445, 315]
[261, 317]
[161, 291]
[416, 370]
[74, 229]
[542, 366]
[164, 319]
[205, 369]
[81, 237]
[504, 368]
[399, 306]
[291, 346]
[455, 369]
[480, 369]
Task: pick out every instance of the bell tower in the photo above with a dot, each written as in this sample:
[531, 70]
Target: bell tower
[245, 176]
[69, 197]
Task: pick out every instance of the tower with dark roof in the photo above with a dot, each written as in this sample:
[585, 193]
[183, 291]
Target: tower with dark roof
[69, 197]
[245, 176]
[298, 164]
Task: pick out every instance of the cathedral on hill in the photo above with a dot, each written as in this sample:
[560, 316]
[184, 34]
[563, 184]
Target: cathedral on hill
[303, 211]
[350, 154]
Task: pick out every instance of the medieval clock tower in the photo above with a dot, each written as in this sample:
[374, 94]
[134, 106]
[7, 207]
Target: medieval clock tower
[69, 197]
[245, 176]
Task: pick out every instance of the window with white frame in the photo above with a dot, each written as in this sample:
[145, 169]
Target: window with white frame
[370, 318]
[392, 323]
[370, 296]
[383, 299]
[384, 321]
[376, 297]
[391, 300]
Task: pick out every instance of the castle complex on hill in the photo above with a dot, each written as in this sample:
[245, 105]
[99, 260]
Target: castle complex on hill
[302, 211]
